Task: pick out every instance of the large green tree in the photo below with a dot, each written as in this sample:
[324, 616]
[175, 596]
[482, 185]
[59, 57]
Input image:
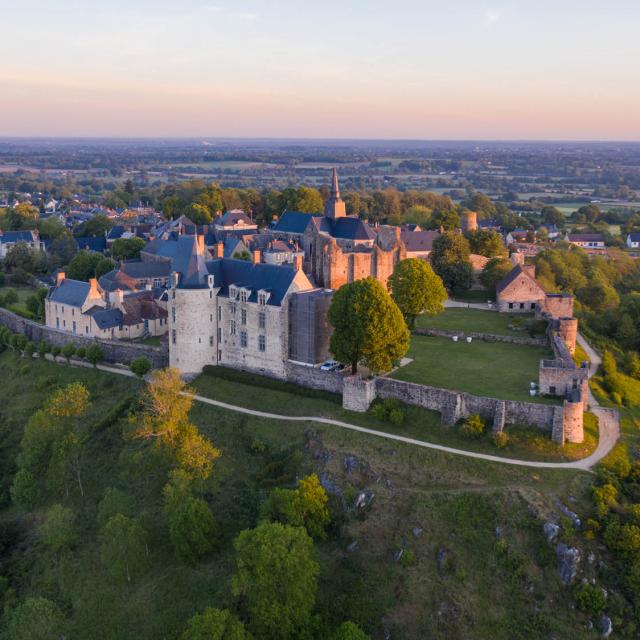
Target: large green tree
[486, 242]
[127, 248]
[416, 289]
[494, 271]
[276, 579]
[35, 619]
[123, 546]
[367, 325]
[86, 265]
[450, 260]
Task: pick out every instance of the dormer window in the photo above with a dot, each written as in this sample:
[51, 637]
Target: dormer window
[233, 292]
[263, 296]
[243, 295]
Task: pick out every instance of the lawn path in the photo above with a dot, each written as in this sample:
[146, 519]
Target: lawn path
[608, 432]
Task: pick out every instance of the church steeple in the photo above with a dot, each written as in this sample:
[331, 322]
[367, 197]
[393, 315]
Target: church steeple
[335, 206]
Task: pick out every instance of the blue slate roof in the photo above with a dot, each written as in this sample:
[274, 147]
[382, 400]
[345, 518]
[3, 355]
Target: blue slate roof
[634, 237]
[71, 292]
[269, 277]
[11, 237]
[189, 263]
[293, 222]
[97, 245]
[115, 232]
[107, 318]
[351, 228]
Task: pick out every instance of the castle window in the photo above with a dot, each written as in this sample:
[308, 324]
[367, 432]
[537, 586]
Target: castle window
[243, 316]
[233, 308]
[233, 292]
[243, 338]
[262, 320]
[262, 343]
[157, 283]
[173, 336]
[210, 294]
[232, 329]
[511, 305]
[211, 341]
[522, 305]
[219, 334]
[262, 298]
[211, 317]
[243, 295]
[219, 313]
[173, 314]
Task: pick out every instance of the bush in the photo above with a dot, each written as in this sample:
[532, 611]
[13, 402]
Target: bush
[10, 297]
[69, 350]
[389, 410]
[140, 366]
[500, 439]
[55, 351]
[95, 354]
[408, 558]
[473, 426]
[590, 598]
[81, 353]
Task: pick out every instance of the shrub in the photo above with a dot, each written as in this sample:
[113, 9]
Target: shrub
[81, 353]
[389, 410]
[616, 398]
[95, 354]
[473, 426]
[408, 558]
[30, 349]
[140, 366]
[590, 598]
[55, 351]
[69, 350]
[617, 461]
[500, 439]
[10, 297]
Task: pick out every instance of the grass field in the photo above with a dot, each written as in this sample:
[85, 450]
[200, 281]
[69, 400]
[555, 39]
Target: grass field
[474, 295]
[474, 320]
[493, 369]
[483, 588]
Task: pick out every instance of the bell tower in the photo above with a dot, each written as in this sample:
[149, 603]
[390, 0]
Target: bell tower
[335, 207]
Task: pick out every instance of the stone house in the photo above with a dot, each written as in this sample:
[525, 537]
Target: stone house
[518, 291]
[233, 313]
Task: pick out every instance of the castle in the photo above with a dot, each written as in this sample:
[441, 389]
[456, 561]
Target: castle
[338, 248]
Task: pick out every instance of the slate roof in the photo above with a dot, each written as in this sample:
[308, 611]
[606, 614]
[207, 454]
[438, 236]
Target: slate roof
[270, 277]
[295, 221]
[106, 318]
[511, 276]
[71, 292]
[97, 245]
[350, 228]
[634, 237]
[585, 237]
[189, 263]
[115, 232]
[141, 306]
[140, 269]
[418, 240]
[232, 217]
[11, 237]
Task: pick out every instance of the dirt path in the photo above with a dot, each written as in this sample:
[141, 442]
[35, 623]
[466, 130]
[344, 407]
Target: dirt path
[609, 426]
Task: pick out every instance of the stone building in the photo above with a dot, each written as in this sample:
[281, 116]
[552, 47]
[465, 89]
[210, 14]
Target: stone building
[338, 248]
[518, 291]
[235, 313]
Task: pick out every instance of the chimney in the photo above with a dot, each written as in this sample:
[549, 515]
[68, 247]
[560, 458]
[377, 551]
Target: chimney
[116, 297]
[255, 256]
[60, 276]
[93, 286]
[297, 262]
[517, 258]
[220, 250]
[200, 243]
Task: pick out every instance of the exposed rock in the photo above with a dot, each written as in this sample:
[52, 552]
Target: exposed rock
[568, 561]
[352, 546]
[572, 515]
[591, 558]
[551, 531]
[398, 554]
[499, 531]
[329, 486]
[363, 499]
[417, 532]
[350, 464]
[605, 625]
[443, 558]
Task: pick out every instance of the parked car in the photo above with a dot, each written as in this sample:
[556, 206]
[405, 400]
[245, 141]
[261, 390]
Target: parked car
[329, 365]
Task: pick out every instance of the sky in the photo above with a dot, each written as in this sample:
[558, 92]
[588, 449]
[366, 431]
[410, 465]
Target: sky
[393, 69]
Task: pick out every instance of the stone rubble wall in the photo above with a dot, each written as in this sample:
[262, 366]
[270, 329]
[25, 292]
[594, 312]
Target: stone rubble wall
[116, 351]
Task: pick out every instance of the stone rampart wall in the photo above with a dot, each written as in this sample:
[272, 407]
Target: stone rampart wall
[114, 350]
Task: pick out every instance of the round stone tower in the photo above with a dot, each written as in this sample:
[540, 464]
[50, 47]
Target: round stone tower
[568, 330]
[572, 419]
[469, 221]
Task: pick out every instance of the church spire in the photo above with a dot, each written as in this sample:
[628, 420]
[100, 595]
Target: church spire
[335, 206]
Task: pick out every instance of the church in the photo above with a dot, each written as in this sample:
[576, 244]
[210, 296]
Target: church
[338, 248]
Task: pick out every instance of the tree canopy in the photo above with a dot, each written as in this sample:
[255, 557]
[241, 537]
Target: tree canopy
[450, 260]
[416, 289]
[368, 327]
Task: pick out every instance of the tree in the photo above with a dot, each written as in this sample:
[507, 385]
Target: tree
[276, 579]
[95, 355]
[367, 325]
[494, 271]
[71, 401]
[123, 546]
[21, 258]
[68, 351]
[86, 265]
[450, 260]
[551, 215]
[113, 502]
[61, 251]
[95, 227]
[192, 529]
[416, 289]
[349, 631]
[445, 218]
[215, 624]
[198, 213]
[485, 242]
[127, 248]
[35, 619]
[23, 216]
[58, 532]
[480, 203]
[305, 506]
[140, 366]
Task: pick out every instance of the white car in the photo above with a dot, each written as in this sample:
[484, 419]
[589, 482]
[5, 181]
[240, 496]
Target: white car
[329, 365]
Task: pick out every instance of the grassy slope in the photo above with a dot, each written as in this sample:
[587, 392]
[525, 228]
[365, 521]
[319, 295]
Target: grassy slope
[458, 502]
[473, 320]
[493, 369]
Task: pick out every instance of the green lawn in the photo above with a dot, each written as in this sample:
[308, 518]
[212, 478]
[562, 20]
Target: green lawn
[474, 320]
[474, 295]
[493, 369]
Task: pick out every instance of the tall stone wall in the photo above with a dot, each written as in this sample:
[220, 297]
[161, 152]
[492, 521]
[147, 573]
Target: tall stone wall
[114, 350]
[314, 378]
[486, 337]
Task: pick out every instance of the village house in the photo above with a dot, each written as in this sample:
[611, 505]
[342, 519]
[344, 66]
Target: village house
[234, 220]
[84, 308]
[586, 240]
[8, 239]
[633, 240]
